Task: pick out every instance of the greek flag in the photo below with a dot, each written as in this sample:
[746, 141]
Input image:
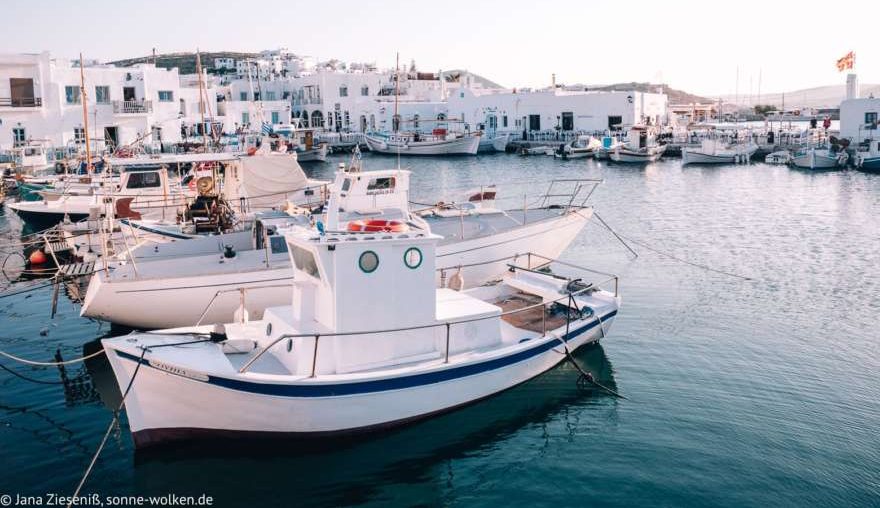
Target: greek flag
[267, 128]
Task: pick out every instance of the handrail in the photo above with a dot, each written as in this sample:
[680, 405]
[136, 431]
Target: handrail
[448, 324]
[235, 290]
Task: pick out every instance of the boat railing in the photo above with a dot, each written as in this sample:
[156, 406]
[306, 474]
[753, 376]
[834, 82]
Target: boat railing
[569, 196]
[568, 296]
[242, 299]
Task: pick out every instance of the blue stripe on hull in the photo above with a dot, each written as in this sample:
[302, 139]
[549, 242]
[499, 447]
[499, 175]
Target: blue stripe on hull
[381, 385]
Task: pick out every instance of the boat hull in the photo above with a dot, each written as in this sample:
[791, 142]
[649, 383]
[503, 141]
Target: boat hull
[180, 301]
[869, 164]
[633, 157]
[39, 220]
[164, 406]
[815, 160]
[318, 154]
[468, 145]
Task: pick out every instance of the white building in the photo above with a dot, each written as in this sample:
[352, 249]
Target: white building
[858, 116]
[555, 109]
[224, 63]
[41, 101]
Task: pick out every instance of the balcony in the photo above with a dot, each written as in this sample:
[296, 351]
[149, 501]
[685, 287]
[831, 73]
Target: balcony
[132, 107]
[21, 102]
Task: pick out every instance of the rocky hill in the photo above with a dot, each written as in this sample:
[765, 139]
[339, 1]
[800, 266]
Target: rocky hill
[185, 62]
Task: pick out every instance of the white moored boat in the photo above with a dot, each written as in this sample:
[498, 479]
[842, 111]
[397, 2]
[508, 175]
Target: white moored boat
[714, 151]
[582, 147]
[423, 144]
[640, 147]
[780, 157]
[367, 342]
[819, 158]
[493, 143]
[181, 291]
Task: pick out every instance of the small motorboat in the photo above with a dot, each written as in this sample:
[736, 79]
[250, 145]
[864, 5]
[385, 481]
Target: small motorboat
[819, 158]
[493, 143]
[582, 147]
[869, 160]
[415, 143]
[367, 343]
[780, 157]
[641, 146]
[714, 151]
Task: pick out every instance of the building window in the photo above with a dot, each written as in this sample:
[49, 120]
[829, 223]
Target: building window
[365, 90]
[567, 121]
[257, 96]
[343, 91]
[504, 121]
[166, 96]
[102, 94]
[871, 120]
[275, 118]
[347, 120]
[18, 136]
[270, 96]
[79, 135]
[72, 94]
[245, 118]
[415, 121]
[242, 96]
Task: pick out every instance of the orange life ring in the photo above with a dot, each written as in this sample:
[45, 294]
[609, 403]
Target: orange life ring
[252, 150]
[378, 225]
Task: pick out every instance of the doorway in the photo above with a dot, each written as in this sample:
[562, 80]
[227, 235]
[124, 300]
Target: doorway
[111, 136]
[21, 92]
[567, 121]
[534, 122]
[128, 94]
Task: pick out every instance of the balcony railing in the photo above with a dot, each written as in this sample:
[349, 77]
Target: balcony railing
[132, 107]
[21, 102]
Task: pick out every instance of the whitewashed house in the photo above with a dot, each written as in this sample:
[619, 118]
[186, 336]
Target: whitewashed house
[859, 117]
[41, 101]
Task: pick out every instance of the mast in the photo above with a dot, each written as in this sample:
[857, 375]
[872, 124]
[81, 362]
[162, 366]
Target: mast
[84, 97]
[201, 98]
[395, 122]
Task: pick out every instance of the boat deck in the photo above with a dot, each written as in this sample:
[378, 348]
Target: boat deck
[471, 226]
[537, 319]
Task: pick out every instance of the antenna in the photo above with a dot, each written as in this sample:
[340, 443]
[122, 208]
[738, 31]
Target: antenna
[395, 122]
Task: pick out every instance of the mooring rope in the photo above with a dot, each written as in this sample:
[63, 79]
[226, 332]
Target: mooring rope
[27, 378]
[674, 257]
[113, 422]
[50, 364]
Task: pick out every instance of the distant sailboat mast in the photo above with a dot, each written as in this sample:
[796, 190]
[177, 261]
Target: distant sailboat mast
[84, 97]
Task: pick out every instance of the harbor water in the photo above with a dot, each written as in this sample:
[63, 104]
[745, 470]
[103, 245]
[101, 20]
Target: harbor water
[747, 348]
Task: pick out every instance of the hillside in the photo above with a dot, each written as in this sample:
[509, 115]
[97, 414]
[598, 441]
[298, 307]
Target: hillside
[675, 96]
[817, 97]
[185, 62]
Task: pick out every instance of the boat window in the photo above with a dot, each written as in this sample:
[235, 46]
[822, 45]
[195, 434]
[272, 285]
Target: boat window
[368, 261]
[386, 183]
[346, 184]
[304, 260]
[143, 180]
[278, 244]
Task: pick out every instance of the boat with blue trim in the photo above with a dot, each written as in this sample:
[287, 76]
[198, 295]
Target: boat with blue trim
[366, 343]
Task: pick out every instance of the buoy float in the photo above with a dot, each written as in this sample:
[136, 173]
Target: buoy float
[377, 225]
[37, 257]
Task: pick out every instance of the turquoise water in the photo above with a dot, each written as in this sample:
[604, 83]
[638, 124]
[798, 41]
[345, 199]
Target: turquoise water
[740, 392]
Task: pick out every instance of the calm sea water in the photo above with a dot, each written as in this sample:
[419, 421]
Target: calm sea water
[741, 392]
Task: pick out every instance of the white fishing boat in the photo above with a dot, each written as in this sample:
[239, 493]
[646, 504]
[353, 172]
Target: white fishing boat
[869, 160]
[819, 158]
[477, 238]
[493, 143]
[779, 157]
[581, 147]
[317, 153]
[536, 150]
[609, 144]
[364, 342]
[139, 194]
[641, 146]
[413, 143]
[715, 151]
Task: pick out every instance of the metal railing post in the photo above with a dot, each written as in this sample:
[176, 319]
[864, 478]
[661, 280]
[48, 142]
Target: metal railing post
[315, 354]
[448, 326]
[544, 320]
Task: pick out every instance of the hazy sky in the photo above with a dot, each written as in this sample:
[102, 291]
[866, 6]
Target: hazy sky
[695, 46]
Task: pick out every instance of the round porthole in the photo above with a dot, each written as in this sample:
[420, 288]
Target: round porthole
[412, 258]
[368, 261]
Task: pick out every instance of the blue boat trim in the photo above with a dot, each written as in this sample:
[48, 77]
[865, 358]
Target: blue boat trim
[381, 385]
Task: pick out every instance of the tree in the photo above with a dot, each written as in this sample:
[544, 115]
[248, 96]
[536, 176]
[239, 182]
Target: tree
[763, 110]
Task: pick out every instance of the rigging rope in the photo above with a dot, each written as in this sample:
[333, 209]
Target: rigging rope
[50, 364]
